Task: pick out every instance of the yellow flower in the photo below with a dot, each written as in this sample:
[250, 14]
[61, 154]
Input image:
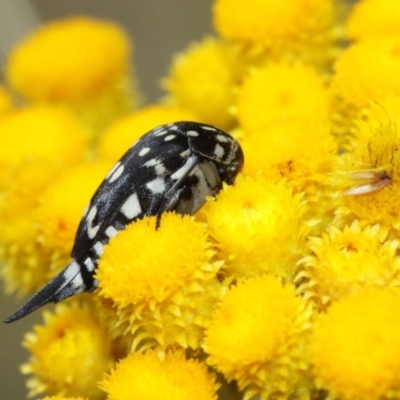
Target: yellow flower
[146, 377]
[356, 346]
[301, 150]
[278, 91]
[366, 71]
[257, 335]
[6, 103]
[24, 262]
[258, 228]
[120, 136]
[79, 61]
[69, 353]
[41, 209]
[289, 29]
[202, 80]
[164, 286]
[373, 18]
[62, 204]
[369, 172]
[41, 132]
[342, 262]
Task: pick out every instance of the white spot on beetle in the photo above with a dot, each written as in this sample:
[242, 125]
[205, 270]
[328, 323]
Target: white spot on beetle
[156, 185]
[208, 128]
[118, 172]
[89, 264]
[98, 248]
[113, 169]
[111, 231]
[92, 230]
[192, 133]
[131, 208]
[71, 271]
[169, 137]
[144, 151]
[158, 166]
[160, 133]
[219, 151]
[222, 138]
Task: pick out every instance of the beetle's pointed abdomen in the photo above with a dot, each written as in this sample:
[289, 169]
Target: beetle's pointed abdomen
[67, 283]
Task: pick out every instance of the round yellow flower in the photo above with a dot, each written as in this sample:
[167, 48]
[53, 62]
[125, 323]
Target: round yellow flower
[299, 149]
[342, 262]
[202, 80]
[356, 346]
[147, 377]
[41, 132]
[61, 207]
[257, 335]
[373, 18]
[258, 228]
[69, 353]
[173, 277]
[121, 135]
[366, 71]
[40, 68]
[278, 91]
[289, 29]
[303, 151]
[41, 207]
[25, 263]
[79, 61]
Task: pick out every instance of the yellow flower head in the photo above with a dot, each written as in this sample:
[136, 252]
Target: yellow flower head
[63, 203]
[344, 261]
[373, 18]
[256, 336]
[61, 207]
[41, 132]
[25, 263]
[258, 228]
[172, 275]
[289, 29]
[356, 346]
[369, 172]
[366, 71]
[299, 149]
[41, 207]
[69, 59]
[147, 377]
[117, 139]
[6, 103]
[202, 80]
[278, 91]
[69, 353]
[81, 62]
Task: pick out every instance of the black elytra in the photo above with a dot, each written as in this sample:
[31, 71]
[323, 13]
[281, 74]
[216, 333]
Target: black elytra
[173, 167]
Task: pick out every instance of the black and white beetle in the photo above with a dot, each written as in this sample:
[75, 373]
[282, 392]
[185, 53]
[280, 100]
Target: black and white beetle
[173, 167]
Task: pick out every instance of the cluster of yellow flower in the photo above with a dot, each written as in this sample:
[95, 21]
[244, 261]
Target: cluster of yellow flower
[288, 284]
